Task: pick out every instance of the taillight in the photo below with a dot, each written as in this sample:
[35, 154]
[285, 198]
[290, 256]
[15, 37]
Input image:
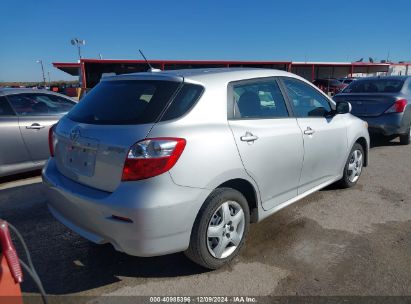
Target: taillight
[398, 106]
[152, 157]
[52, 140]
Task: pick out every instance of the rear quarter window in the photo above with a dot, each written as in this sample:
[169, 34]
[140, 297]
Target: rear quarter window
[183, 101]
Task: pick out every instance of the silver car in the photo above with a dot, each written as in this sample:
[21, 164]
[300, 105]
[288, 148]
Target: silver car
[25, 118]
[163, 162]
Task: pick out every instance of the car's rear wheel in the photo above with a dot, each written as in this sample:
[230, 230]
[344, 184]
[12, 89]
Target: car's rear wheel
[405, 139]
[220, 229]
[353, 167]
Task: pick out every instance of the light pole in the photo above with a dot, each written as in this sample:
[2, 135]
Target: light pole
[78, 42]
[42, 71]
[48, 73]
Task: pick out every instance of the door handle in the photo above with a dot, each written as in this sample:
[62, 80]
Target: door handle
[248, 137]
[309, 131]
[35, 126]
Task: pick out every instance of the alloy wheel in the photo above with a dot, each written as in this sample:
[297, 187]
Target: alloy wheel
[355, 166]
[225, 230]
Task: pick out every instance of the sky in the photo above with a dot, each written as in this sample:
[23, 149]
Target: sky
[290, 30]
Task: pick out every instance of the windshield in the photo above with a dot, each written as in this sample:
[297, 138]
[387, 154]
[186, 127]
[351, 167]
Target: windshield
[124, 102]
[375, 86]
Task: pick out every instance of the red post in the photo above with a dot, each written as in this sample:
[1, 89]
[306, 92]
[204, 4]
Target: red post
[83, 75]
[83, 88]
[312, 72]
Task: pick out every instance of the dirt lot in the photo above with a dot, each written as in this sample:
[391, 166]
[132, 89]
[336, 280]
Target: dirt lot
[335, 242]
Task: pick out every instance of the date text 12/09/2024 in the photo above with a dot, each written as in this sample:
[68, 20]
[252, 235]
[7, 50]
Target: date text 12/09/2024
[203, 299]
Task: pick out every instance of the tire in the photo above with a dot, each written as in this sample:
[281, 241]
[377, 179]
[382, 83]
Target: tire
[214, 252]
[405, 139]
[354, 162]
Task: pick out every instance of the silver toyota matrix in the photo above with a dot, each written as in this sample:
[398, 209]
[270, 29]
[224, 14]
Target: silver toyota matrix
[162, 162]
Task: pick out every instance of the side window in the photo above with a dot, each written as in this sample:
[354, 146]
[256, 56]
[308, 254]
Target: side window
[184, 101]
[259, 99]
[306, 101]
[5, 109]
[39, 104]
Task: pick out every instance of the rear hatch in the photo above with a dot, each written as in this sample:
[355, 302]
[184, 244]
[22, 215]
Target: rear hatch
[93, 140]
[368, 104]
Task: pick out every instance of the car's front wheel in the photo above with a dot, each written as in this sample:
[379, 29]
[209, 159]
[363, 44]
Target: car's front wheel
[405, 139]
[220, 229]
[353, 167]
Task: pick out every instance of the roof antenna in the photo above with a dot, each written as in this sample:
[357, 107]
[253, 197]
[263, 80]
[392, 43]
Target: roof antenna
[148, 63]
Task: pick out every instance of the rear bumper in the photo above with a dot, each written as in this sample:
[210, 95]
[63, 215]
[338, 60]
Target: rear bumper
[387, 124]
[162, 212]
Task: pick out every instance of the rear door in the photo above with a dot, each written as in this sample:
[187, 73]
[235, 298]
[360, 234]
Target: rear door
[268, 139]
[37, 112]
[325, 138]
[13, 152]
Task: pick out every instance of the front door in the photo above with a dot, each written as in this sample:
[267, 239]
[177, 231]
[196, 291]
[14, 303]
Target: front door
[13, 152]
[269, 140]
[37, 113]
[325, 136]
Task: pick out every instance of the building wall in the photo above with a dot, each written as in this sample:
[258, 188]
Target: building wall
[399, 70]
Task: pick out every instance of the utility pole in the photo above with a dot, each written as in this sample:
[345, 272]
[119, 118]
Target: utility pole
[78, 42]
[42, 71]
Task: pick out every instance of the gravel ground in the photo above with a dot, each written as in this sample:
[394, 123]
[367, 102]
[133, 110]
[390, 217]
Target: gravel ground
[334, 242]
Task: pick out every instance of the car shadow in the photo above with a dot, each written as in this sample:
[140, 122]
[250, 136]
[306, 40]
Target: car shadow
[92, 266]
[19, 176]
[67, 263]
[331, 187]
[379, 141]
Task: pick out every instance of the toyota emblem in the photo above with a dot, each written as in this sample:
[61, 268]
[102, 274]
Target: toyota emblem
[75, 134]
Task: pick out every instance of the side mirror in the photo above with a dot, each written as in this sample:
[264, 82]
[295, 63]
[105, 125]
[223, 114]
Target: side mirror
[343, 107]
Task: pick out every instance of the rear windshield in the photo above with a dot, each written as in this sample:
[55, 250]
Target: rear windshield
[375, 86]
[122, 102]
